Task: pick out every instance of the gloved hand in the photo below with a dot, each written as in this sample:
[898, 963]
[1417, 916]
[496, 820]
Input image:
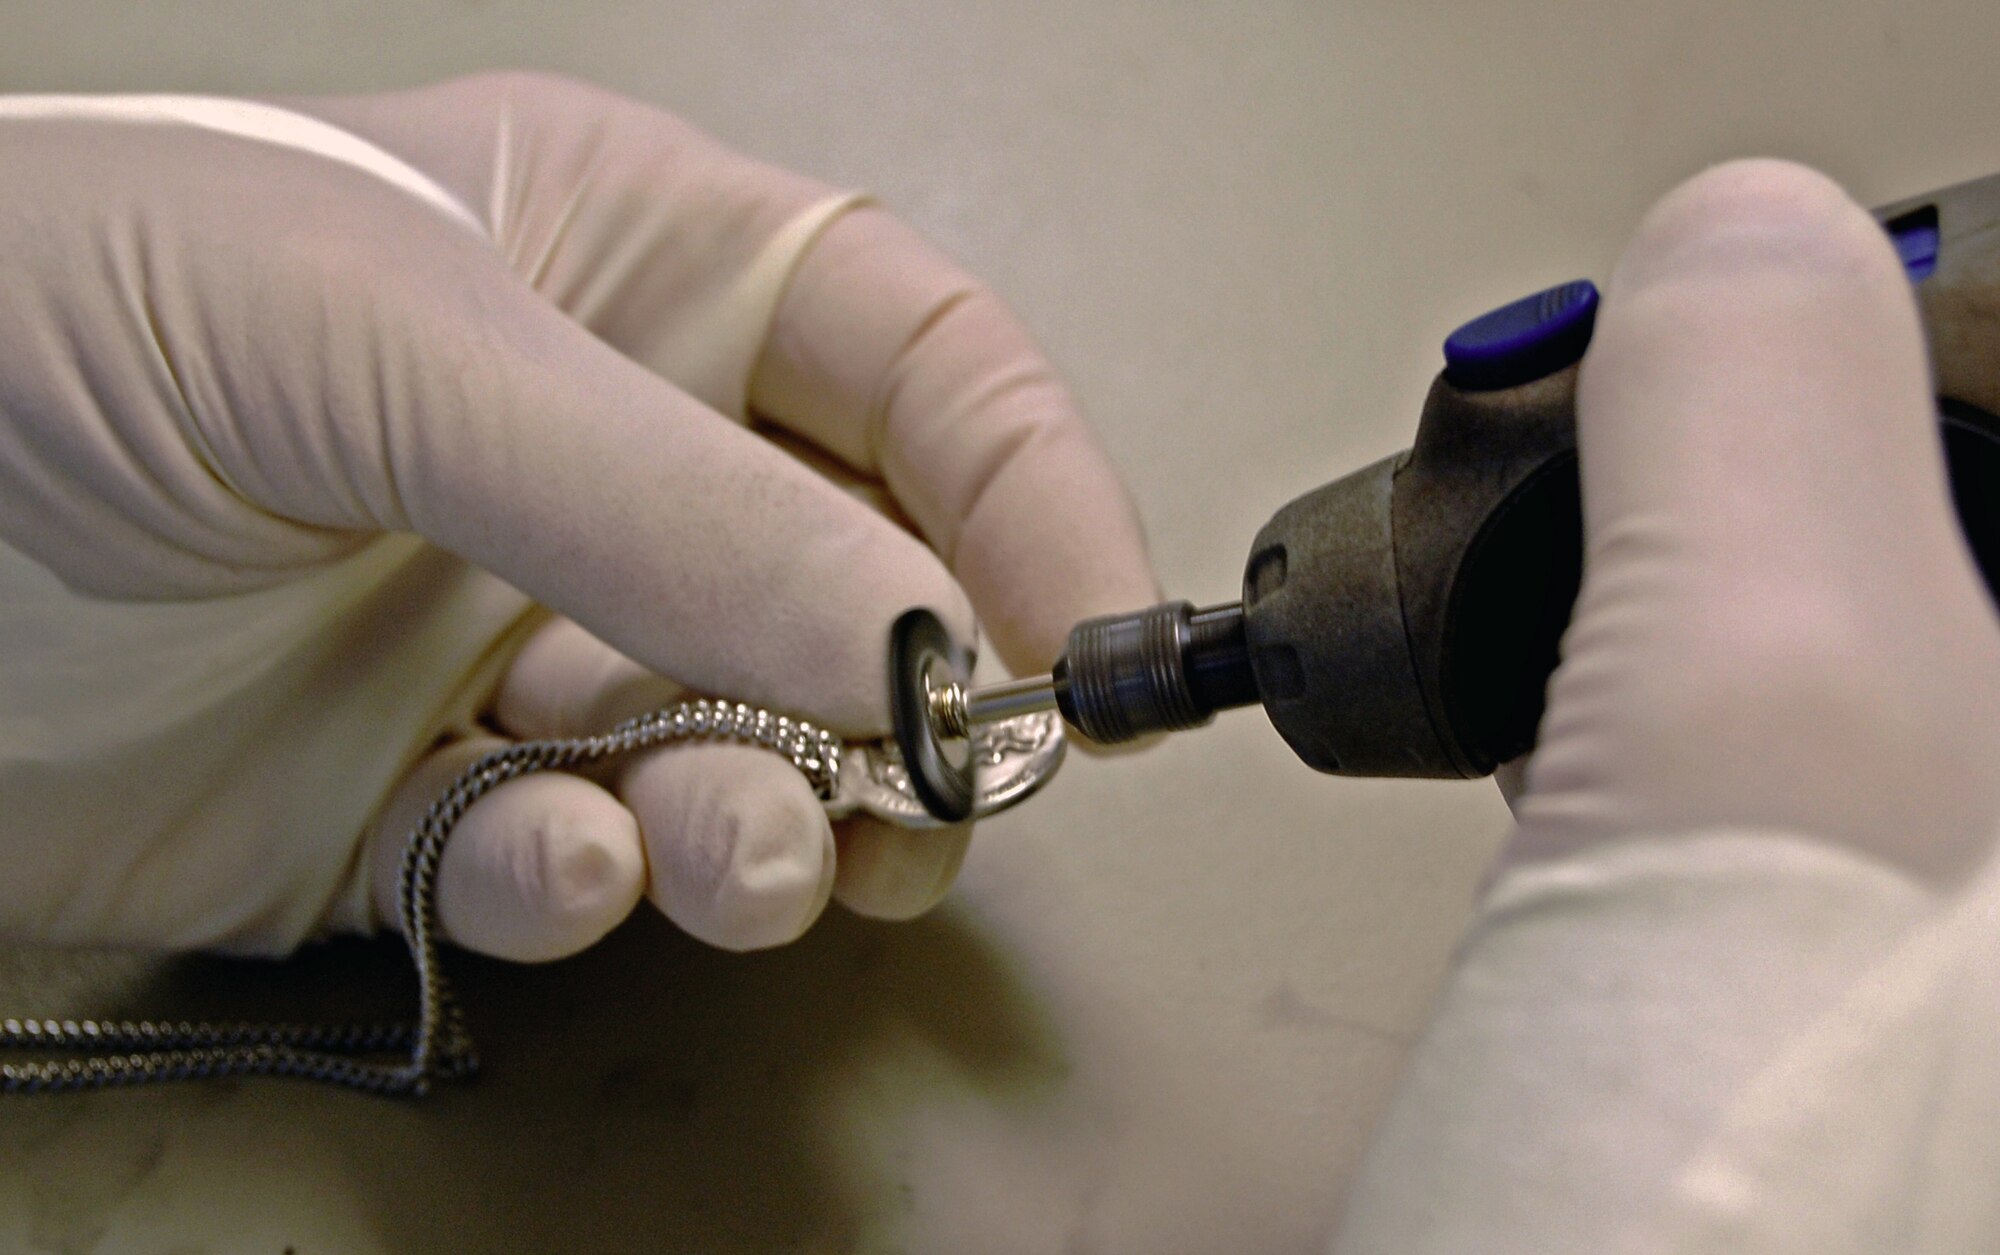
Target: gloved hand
[1780, 625]
[307, 410]
[1733, 987]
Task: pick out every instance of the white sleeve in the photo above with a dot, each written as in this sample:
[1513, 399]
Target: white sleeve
[1731, 1041]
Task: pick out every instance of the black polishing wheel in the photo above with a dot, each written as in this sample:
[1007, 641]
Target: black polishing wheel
[922, 658]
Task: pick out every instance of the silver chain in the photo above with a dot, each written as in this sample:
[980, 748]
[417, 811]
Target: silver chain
[100, 1053]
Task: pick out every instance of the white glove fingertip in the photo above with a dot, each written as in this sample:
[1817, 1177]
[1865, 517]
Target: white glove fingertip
[740, 851]
[892, 873]
[539, 869]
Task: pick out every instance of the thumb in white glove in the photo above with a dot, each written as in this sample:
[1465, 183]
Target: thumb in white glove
[232, 365]
[1780, 625]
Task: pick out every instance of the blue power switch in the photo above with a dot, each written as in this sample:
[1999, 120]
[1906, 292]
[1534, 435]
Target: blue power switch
[1524, 341]
[1917, 241]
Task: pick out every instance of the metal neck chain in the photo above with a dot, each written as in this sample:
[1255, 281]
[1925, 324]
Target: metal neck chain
[101, 1053]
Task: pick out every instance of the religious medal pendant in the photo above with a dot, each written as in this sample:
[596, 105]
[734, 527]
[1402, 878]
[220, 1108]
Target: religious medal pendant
[1007, 761]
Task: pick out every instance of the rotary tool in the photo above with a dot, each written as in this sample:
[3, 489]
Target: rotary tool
[1403, 620]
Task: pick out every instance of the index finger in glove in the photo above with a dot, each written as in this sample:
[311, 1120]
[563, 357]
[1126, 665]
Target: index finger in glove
[889, 356]
[880, 350]
[451, 400]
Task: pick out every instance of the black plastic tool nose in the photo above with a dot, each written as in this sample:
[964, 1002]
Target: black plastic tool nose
[1155, 670]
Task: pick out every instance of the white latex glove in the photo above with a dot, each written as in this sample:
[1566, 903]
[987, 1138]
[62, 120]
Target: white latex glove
[1780, 625]
[1735, 987]
[305, 409]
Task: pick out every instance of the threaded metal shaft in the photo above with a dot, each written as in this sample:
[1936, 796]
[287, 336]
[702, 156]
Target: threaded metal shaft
[1160, 669]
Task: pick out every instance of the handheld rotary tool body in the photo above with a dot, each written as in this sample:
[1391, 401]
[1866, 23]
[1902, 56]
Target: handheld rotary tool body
[1403, 620]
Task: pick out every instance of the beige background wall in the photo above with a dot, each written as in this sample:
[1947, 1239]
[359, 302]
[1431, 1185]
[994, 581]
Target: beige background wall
[1170, 997]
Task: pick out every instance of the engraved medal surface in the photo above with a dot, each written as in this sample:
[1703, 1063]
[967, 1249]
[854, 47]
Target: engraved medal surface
[1010, 759]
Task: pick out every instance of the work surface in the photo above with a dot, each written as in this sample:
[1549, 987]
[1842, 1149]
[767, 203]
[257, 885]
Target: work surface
[1171, 995]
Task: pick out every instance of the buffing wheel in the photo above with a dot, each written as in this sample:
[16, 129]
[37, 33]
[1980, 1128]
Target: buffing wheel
[923, 660]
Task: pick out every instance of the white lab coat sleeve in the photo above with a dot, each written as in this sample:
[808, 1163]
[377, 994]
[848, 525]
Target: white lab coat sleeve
[1726, 1041]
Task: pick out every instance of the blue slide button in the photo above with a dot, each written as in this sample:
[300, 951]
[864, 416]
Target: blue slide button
[1524, 341]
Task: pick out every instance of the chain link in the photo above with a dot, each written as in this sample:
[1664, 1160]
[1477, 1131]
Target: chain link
[102, 1053]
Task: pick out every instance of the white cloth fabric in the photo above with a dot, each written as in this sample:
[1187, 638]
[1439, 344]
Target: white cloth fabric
[192, 726]
[1724, 1042]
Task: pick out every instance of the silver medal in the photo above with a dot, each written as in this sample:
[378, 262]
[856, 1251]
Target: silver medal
[1010, 759]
